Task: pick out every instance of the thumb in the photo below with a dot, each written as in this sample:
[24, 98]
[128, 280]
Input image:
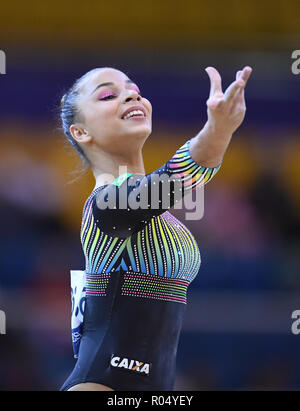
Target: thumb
[215, 81]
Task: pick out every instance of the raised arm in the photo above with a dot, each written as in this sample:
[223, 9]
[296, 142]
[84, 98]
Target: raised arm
[225, 113]
[121, 209]
[194, 164]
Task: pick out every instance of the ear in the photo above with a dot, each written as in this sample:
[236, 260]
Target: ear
[79, 133]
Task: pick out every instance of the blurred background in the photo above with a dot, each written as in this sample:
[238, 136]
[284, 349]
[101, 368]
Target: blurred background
[237, 330]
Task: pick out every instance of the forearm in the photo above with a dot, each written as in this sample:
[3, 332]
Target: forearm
[208, 147]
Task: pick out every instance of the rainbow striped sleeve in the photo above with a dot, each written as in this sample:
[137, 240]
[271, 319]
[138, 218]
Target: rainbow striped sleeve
[192, 174]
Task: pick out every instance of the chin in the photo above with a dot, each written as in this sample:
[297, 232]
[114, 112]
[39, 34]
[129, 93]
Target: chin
[139, 134]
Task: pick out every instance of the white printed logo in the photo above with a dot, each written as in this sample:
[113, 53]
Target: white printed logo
[2, 62]
[2, 322]
[131, 365]
[296, 63]
[296, 324]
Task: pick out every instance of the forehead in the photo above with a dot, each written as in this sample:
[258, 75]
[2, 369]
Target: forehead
[102, 76]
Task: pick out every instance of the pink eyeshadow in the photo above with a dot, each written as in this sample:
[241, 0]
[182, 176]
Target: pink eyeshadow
[105, 94]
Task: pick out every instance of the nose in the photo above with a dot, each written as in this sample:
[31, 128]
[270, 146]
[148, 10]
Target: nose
[132, 95]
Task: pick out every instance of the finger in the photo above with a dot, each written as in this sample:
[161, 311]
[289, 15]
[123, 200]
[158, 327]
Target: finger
[238, 74]
[246, 73]
[242, 74]
[239, 96]
[215, 81]
[232, 89]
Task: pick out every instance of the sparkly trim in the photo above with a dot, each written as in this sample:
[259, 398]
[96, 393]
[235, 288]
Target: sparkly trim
[167, 289]
[96, 284]
[118, 181]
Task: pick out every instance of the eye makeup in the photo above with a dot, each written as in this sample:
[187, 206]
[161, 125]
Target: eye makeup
[108, 93]
[105, 94]
[137, 90]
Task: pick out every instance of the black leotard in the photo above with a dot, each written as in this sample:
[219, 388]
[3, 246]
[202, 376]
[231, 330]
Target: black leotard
[139, 263]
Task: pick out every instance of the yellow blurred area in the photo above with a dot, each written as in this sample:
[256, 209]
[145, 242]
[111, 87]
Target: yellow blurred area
[247, 23]
[240, 169]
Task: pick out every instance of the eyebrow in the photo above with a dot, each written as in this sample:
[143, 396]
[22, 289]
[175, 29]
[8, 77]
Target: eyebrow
[109, 84]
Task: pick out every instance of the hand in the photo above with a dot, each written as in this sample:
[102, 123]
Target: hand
[226, 111]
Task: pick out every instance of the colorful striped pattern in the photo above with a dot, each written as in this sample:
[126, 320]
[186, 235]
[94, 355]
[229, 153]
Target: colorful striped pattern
[163, 248]
[101, 251]
[139, 285]
[190, 172]
[96, 284]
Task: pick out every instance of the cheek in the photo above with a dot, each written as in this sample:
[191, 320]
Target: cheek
[101, 115]
[148, 105]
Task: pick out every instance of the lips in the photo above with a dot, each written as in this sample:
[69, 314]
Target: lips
[133, 108]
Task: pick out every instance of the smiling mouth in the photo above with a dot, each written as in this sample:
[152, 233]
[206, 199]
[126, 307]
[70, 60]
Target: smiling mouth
[135, 113]
[135, 117]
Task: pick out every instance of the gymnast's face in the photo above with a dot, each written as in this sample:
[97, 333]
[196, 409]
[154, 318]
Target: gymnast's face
[102, 108]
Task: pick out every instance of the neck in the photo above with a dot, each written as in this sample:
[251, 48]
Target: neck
[109, 166]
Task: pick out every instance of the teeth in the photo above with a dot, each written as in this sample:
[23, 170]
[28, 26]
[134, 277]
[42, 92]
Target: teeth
[134, 113]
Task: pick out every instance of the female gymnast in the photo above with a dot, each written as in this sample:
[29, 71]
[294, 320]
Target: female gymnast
[139, 258]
